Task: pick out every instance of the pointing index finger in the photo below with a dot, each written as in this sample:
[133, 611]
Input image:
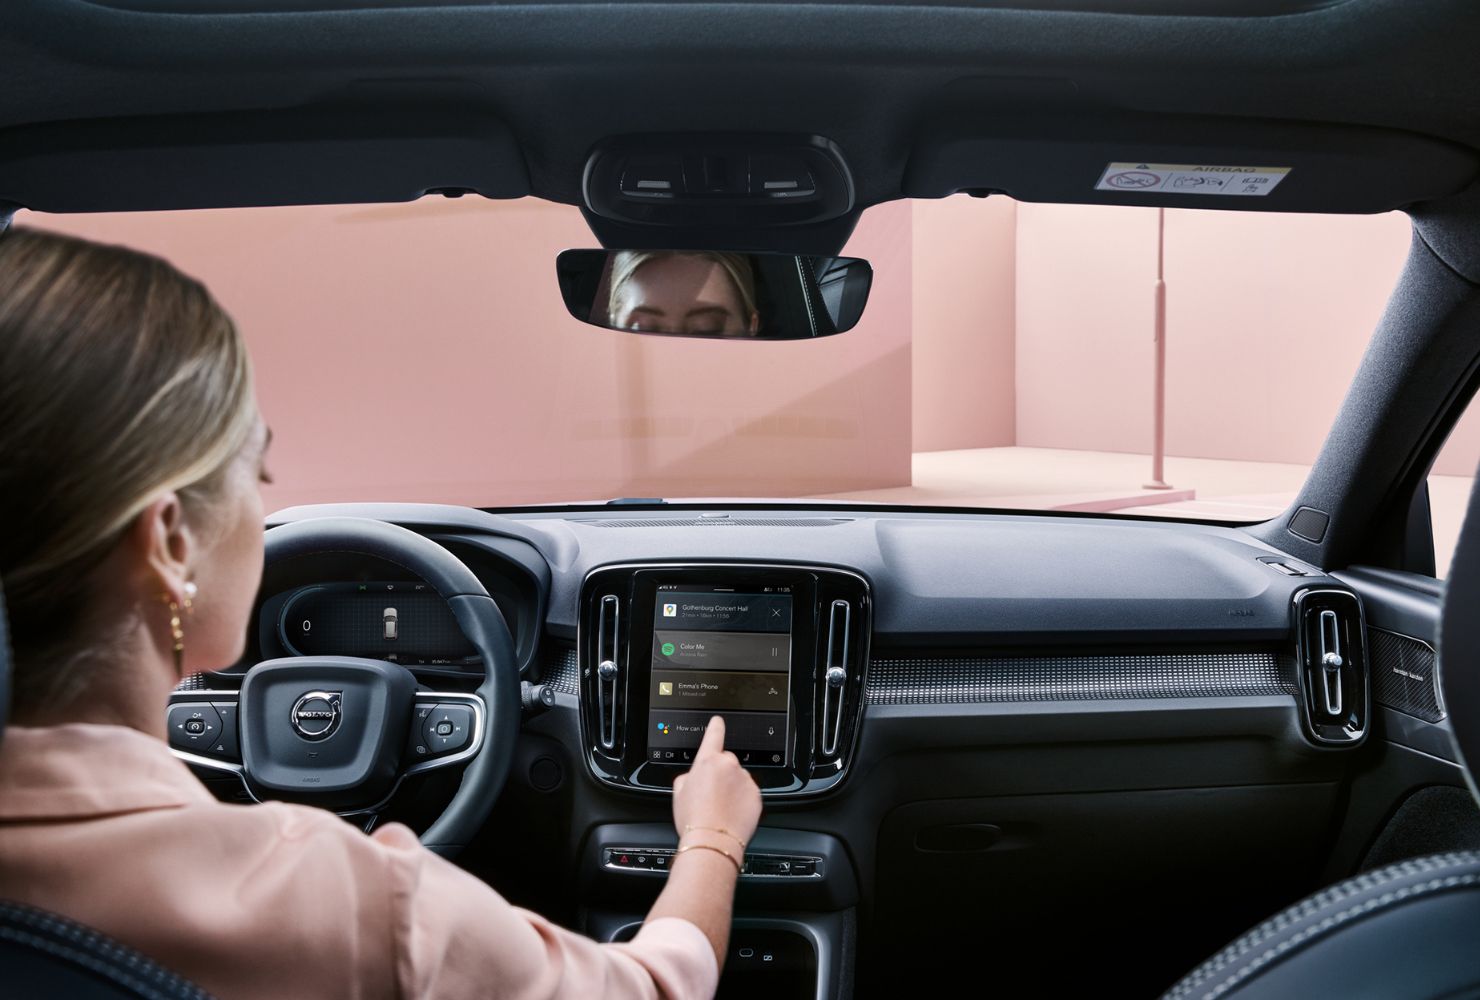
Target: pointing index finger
[714, 737]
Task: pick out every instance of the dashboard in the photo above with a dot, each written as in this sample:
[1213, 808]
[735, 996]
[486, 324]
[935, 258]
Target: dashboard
[797, 627]
[939, 708]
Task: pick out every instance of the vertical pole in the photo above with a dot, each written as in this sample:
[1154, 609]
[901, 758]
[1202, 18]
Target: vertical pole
[1159, 338]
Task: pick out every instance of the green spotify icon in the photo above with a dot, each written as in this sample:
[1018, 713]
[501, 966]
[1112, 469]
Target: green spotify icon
[667, 649]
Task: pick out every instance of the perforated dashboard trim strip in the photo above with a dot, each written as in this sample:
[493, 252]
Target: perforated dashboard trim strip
[929, 680]
[925, 680]
[563, 672]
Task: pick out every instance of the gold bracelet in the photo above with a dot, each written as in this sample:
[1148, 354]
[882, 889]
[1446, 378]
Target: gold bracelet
[689, 828]
[710, 847]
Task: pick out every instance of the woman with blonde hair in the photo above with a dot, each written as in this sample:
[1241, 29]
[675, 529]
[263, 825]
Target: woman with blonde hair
[132, 448]
[693, 293]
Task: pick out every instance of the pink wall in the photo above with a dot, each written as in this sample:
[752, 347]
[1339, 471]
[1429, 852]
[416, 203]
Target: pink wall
[1267, 318]
[1083, 358]
[1300, 296]
[1461, 453]
[421, 352]
[963, 323]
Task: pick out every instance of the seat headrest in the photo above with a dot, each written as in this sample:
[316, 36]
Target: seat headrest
[1459, 641]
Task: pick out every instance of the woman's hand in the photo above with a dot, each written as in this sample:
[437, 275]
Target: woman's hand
[717, 793]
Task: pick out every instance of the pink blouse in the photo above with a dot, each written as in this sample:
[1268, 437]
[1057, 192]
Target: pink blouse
[102, 824]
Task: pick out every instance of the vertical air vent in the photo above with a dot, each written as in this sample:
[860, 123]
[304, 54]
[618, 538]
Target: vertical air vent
[608, 670]
[1331, 653]
[835, 675]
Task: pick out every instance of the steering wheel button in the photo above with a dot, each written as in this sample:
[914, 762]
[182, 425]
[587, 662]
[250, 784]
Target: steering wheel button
[193, 726]
[427, 724]
[460, 717]
[225, 745]
[448, 728]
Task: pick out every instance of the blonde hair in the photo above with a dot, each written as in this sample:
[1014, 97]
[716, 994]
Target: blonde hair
[626, 262]
[123, 379]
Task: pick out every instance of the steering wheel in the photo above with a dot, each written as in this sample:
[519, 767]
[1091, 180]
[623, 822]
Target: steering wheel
[341, 732]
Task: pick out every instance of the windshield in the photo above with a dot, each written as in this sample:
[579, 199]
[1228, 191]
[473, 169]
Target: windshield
[1006, 359]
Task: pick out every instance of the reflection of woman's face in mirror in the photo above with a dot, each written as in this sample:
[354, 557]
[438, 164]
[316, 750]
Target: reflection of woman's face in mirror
[682, 293]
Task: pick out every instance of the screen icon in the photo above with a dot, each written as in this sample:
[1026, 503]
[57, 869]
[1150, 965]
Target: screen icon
[665, 688]
[667, 649]
[670, 611]
[663, 728]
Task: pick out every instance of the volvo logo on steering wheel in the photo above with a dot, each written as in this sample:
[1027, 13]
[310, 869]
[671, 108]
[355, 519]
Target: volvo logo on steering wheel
[315, 715]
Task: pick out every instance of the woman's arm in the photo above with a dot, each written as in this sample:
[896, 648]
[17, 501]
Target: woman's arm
[716, 807]
[456, 939]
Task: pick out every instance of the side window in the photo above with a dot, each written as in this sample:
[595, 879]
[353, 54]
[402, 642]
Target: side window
[1450, 481]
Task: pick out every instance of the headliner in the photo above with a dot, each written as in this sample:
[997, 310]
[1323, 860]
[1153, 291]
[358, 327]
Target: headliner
[112, 105]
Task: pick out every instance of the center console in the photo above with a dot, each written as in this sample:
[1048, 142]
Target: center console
[777, 651]
[792, 937]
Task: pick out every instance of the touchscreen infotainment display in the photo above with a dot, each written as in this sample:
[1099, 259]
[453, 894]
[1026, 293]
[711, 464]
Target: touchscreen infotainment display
[726, 652]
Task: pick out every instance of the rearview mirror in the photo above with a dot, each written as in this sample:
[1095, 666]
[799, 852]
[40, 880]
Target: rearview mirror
[700, 293]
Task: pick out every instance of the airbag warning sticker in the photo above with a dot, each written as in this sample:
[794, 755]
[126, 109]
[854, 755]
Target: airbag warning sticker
[1182, 178]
